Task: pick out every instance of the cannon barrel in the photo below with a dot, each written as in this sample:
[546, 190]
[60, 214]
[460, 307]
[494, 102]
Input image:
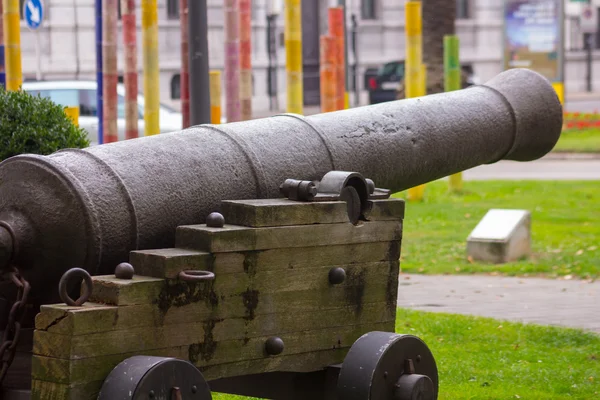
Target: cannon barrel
[89, 208]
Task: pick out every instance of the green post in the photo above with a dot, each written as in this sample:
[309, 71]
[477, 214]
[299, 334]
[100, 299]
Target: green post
[452, 81]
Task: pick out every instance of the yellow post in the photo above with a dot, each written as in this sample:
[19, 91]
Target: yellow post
[560, 91]
[12, 48]
[293, 56]
[73, 114]
[151, 69]
[215, 97]
[414, 76]
[452, 81]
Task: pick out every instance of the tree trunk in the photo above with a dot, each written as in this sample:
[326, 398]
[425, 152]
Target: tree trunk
[438, 20]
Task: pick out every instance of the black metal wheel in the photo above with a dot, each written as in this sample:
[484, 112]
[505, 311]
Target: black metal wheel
[143, 377]
[388, 366]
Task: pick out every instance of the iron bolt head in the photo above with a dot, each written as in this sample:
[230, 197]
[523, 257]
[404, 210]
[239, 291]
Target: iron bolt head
[215, 220]
[194, 389]
[337, 275]
[124, 271]
[274, 346]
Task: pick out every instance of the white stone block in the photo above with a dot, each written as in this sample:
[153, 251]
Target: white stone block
[501, 236]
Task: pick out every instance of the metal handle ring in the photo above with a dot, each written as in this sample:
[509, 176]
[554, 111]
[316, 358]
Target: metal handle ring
[196, 276]
[87, 286]
[13, 237]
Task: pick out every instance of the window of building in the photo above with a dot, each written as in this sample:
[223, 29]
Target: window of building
[176, 87]
[88, 103]
[63, 97]
[463, 9]
[173, 9]
[368, 9]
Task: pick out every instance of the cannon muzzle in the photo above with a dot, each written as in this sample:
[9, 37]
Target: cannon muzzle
[89, 208]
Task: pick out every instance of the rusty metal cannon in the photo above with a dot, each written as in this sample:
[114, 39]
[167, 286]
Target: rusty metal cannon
[146, 202]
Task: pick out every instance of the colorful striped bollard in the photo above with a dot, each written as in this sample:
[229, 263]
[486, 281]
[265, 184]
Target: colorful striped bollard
[2, 71]
[215, 97]
[336, 30]
[414, 77]
[293, 56]
[109, 70]
[328, 72]
[246, 59]
[452, 82]
[130, 78]
[12, 45]
[151, 68]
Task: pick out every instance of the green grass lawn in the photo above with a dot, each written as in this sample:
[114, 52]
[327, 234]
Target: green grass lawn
[565, 227]
[579, 141]
[481, 358]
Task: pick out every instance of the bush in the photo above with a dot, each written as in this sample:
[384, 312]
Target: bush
[35, 125]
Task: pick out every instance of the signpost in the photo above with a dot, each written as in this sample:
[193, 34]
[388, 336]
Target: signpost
[33, 12]
[533, 38]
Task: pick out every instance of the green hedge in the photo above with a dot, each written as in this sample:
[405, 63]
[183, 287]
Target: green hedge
[35, 125]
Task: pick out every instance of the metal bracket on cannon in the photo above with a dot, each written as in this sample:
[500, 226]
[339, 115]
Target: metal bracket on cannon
[350, 187]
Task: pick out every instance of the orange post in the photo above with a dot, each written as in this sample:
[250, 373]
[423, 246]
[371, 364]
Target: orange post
[215, 96]
[328, 72]
[109, 70]
[246, 59]
[336, 30]
[130, 70]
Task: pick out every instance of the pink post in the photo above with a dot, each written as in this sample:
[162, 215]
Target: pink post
[131, 75]
[109, 68]
[246, 58]
[232, 60]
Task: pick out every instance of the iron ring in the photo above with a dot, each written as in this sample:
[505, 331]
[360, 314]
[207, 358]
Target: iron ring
[87, 291]
[196, 276]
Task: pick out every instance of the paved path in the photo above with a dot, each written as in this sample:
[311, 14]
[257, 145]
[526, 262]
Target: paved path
[551, 167]
[542, 301]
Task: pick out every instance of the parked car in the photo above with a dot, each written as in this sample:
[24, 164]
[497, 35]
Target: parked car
[83, 94]
[387, 82]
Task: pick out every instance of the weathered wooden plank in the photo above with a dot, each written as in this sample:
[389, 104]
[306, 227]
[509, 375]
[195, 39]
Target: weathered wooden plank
[153, 337]
[93, 317]
[386, 210]
[42, 390]
[76, 372]
[109, 290]
[304, 362]
[304, 351]
[139, 290]
[167, 263]
[282, 212]
[232, 238]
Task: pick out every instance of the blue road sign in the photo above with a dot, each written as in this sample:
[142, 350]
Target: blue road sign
[33, 10]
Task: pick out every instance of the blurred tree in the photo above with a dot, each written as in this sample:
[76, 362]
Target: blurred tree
[438, 20]
[439, 17]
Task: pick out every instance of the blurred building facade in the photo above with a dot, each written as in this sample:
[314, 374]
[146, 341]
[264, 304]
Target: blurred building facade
[67, 42]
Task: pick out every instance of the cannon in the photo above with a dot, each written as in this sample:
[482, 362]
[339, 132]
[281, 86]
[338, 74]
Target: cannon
[203, 217]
